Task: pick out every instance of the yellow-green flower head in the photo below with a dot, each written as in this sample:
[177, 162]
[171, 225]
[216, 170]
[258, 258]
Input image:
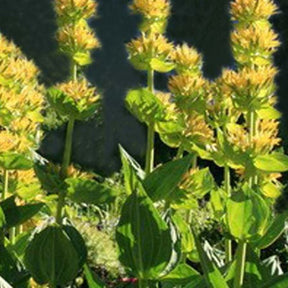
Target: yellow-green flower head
[151, 51]
[249, 11]
[262, 143]
[74, 10]
[21, 100]
[197, 131]
[250, 88]
[154, 13]
[78, 38]
[187, 59]
[188, 91]
[75, 99]
[254, 45]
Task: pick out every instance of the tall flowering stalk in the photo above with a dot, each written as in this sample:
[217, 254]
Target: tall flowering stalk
[75, 99]
[21, 101]
[150, 52]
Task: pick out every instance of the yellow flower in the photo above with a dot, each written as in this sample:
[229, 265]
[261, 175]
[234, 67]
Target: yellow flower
[249, 87]
[186, 85]
[250, 11]
[151, 8]
[75, 9]
[79, 91]
[20, 70]
[187, 59]
[7, 48]
[254, 45]
[77, 39]
[149, 46]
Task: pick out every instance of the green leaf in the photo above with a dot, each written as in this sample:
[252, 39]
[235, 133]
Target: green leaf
[20, 244]
[2, 218]
[130, 166]
[182, 275]
[89, 191]
[276, 282]
[93, 280]
[143, 237]
[163, 180]
[82, 59]
[15, 161]
[247, 214]
[269, 112]
[161, 66]
[145, 106]
[273, 163]
[187, 240]
[17, 215]
[274, 231]
[212, 275]
[255, 272]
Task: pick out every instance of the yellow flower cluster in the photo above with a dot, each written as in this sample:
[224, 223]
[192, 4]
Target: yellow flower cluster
[254, 45]
[187, 59]
[75, 37]
[75, 9]
[250, 88]
[147, 47]
[262, 143]
[80, 92]
[247, 11]
[21, 100]
[154, 13]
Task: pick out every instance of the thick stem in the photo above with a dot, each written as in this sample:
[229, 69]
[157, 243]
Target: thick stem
[150, 133]
[180, 152]
[64, 168]
[240, 265]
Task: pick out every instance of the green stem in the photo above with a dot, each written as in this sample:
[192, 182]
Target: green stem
[64, 168]
[142, 283]
[180, 152]
[227, 186]
[150, 133]
[74, 71]
[5, 184]
[240, 265]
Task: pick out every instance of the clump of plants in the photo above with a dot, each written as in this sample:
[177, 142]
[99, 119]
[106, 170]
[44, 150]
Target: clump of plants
[152, 220]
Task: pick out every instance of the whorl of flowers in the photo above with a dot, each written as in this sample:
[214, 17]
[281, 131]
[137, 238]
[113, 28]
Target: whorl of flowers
[21, 100]
[74, 35]
[147, 47]
[187, 59]
[154, 12]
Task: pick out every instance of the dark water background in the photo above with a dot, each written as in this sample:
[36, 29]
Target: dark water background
[202, 23]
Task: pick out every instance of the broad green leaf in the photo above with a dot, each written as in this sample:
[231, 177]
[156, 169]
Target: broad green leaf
[216, 202]
[187, 240]
[272, 163]
[255, 272]
[17, 215]
[143, 237]
[274, 231]
[92, 279]
[130, 166]
[163, 180]
[247, 214]
[89, 191]
[183, 274]
[212, 275]
[145, 106]
[161, 66]
[15, 161]
[276, 282]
